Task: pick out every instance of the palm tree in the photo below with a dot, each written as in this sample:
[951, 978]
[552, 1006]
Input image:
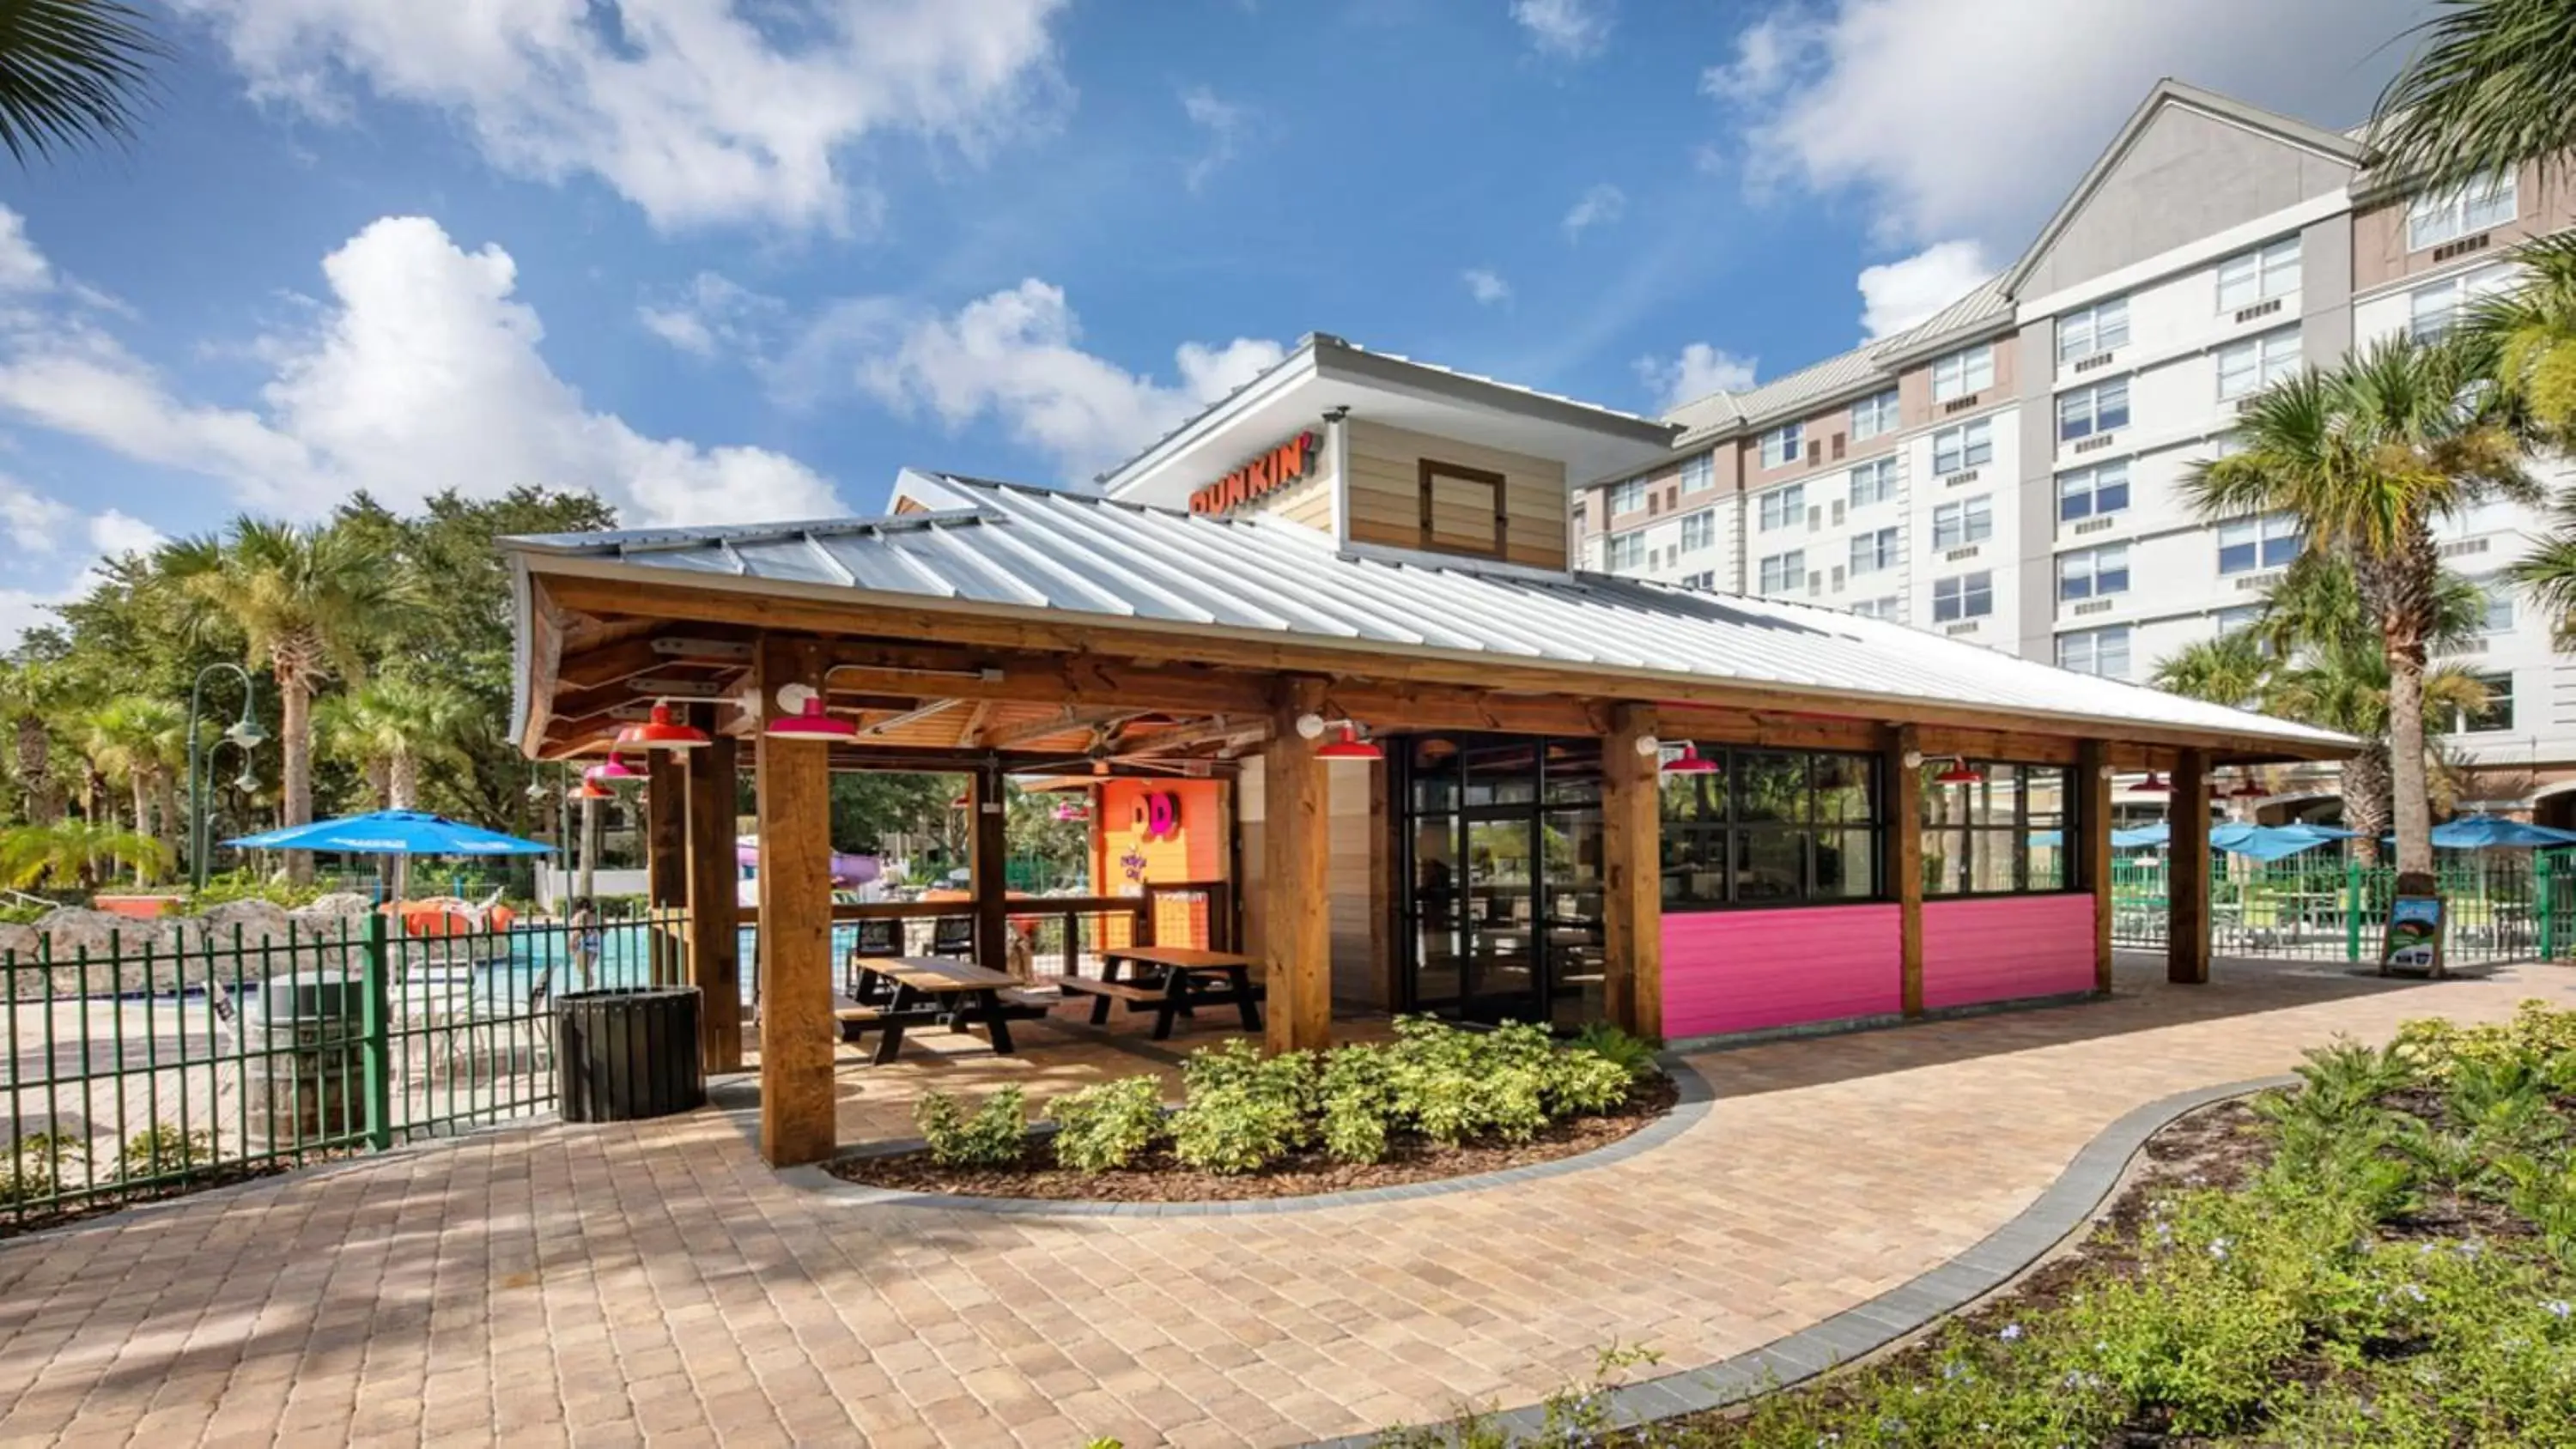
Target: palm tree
[70, 73]
[2492, 86]
[140, 741]
[31, 692]
[394, 726]
[2366, 457]
[2231, 669]
[71, 850]
[308, 601]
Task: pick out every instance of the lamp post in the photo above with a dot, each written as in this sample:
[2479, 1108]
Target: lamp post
[244, 733]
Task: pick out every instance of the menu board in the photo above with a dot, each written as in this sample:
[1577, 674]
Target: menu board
[2413, 940]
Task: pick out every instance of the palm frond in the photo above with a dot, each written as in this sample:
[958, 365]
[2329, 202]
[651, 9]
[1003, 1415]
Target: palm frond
[72, 73]
[2492, 85]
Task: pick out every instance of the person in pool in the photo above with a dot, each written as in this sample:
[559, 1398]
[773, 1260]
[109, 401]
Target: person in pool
[586, 939]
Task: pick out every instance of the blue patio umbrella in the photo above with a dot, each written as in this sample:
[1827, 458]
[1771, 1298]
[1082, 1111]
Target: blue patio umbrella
[2261, 842]
[2495, 832]
[2144, 837]
[392, 832]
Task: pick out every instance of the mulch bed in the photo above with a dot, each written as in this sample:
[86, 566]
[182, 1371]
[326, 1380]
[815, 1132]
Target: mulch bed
[1157, 1177]
[112, 1200]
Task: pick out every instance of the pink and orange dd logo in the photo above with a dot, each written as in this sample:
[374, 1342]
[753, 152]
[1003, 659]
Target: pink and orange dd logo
[1159, 815]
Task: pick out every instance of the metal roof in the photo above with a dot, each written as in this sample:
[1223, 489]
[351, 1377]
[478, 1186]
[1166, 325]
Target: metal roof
[1087, 557]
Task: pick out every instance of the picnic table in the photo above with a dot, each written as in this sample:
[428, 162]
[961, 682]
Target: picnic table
[1169, 981]
[896, 992]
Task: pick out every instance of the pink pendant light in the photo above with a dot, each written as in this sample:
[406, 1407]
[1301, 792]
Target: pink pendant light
[2154, 784]
[612, 772]
[1688, 762]
[1959, 773]
[588, 791]
[811, 723]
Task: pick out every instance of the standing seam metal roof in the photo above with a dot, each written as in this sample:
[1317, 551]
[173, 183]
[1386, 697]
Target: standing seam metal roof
[1082, 555]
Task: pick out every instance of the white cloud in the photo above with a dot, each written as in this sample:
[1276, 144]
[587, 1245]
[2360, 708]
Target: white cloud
[1015, 356]
[697, 112]
[1486, 285]
[1568, 29]
[1972, 118]
[22, 267]
[1600, 206]
[711, 314]
[1698, 371]
[1223, 123]
[43, 526]
[32, 521]
[421, 373]
[1896, 295]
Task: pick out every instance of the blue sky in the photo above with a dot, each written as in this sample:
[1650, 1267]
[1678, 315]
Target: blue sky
[728, 259]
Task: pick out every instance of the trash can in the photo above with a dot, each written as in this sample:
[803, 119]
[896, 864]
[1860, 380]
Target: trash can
[304, 1077]
[626, 1054]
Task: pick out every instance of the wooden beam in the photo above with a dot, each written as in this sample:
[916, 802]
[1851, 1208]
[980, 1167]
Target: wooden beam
[1903, 783]
[771, 604]
[609, 663]
[915, 715]
[1632, 903]
[1222, 730]
[2187, 871]
[988, 861]
[666, 855]
[971, 733]
[1383, 822]
[1392, 707]
[798, 1121]
[1063, 720]
[2092, 807]
[715, 949]
[1078, 677]
[1297, 927]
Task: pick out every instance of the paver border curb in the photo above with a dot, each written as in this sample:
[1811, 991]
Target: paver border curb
[1695, 1098]
[2069, 1203]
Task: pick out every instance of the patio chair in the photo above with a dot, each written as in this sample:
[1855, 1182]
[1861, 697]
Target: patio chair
[953, 936]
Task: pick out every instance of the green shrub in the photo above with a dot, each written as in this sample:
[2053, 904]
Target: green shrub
[1107, 1126]
[1234, 1129]
[1581, 1083]
[162, 1150]
[2539, 1035]
[1359, 1097]
[35, 1170]
[992, 1137]
[1633, 1054]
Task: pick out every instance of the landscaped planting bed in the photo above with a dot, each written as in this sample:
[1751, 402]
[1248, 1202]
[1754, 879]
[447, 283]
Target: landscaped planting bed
[1437, 1102]
[2384, 1255]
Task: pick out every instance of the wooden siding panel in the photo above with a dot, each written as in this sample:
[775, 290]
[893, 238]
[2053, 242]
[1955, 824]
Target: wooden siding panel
[1730, 971]
[1347, 871]
[2002, 948]
[1384, 496]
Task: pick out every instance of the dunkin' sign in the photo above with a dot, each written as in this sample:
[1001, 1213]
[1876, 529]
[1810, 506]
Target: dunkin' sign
[1271, 471]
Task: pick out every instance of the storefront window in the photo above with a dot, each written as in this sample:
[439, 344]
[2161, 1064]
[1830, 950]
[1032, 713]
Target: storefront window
[2004, 834]
[1770, 828]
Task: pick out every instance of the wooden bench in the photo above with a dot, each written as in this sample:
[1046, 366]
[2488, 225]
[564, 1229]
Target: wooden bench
[895, 993]
[1179, 988]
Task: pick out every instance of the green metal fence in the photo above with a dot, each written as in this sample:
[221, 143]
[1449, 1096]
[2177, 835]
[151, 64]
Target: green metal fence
[175, 1056]
[2498, 905]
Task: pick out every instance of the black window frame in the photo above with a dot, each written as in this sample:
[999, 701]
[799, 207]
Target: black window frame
[2072, 834]
[1731, 823]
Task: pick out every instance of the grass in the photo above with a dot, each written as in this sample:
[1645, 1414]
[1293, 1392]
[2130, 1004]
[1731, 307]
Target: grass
[2385, 1255]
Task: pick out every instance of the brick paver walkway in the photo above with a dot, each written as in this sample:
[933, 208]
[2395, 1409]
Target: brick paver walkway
[610, 1285]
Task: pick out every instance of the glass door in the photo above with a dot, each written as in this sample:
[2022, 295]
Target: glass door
[1503, 851]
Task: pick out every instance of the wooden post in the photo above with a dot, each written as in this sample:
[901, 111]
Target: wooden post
[1632, 875]
[988, 863]
[715, 935]
[1904, 785]
[1296, 920]
[666, 856]
[797, 1117]
[2187, 871]
[1382, 817]
[2090, 823]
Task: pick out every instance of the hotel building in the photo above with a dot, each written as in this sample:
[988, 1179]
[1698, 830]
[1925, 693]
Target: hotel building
[2008, 472]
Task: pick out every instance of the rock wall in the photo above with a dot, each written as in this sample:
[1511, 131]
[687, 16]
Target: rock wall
[82, 952]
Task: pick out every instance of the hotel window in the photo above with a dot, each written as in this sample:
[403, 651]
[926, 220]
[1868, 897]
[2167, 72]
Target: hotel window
[2004, 834]
[1461, 509]
[2101, 408]
[1780, 445]
[2096, 651]
[2447, 215]
[1627, 552]
[2499, 615]
[1956, 525]
[1699, 472]
[2249, 544]
[1627, 497]
[2238, 619]
[2432, 311]
[1704, 579]
[2248, 367]
[1700, 529]
[1783, 507]
[2498, 714]
[2092, 492]
[1969, 596]
[1883, 608]
[1969, 370]
[1873, 482]
[2093, 573]
[1874, 415]
[2259, 275]
[2088, 330]
[1969, 445]
[1770, 828]
[1871, 552]
[1785, 573]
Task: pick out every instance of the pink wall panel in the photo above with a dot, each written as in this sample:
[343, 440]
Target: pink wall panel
[1727, 971]
[2005, 947]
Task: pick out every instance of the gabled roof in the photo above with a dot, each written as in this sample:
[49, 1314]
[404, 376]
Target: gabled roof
[1112, 566]
[2289, 130]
